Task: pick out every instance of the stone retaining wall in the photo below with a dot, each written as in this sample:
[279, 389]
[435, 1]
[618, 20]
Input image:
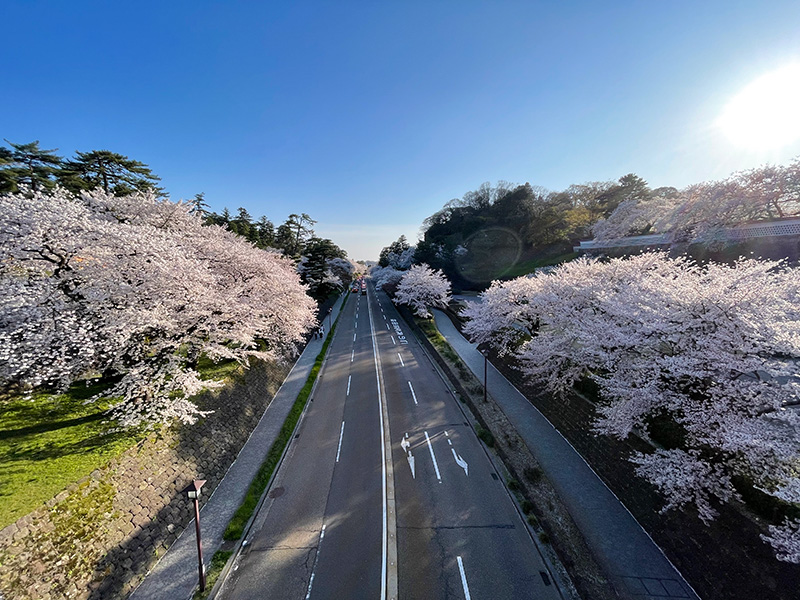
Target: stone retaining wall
[99, 537]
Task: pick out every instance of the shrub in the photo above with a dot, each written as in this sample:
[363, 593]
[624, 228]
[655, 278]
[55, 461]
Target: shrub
[486, 436]
[532, 474]
[543, 537]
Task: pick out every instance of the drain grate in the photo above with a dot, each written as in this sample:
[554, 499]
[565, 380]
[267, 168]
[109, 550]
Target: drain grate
[495, 477]
[545, 577]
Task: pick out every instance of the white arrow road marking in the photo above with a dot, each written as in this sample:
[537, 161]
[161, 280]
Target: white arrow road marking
[433, 458]
[341, 435]
[463, 578]
[401, 358]
[460, 461]
[413, 395]
[405, 444]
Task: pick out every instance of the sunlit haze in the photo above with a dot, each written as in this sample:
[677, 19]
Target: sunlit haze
[370, 116]
[765, 114]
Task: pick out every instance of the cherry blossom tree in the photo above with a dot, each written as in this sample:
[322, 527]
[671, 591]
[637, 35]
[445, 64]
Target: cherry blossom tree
[422, 287]
[700, 212]
[386, 278]
[135, 286]
[715, 349]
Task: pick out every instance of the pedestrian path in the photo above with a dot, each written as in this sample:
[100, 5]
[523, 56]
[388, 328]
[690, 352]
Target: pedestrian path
[175, 576]
[634, 563]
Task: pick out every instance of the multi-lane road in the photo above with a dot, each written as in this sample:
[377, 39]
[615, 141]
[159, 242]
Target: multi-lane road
[385, 492]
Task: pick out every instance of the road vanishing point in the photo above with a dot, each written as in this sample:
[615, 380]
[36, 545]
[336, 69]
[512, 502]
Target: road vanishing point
[385, 492]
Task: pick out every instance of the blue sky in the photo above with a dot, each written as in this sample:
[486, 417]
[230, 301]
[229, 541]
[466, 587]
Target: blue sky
[369, 116]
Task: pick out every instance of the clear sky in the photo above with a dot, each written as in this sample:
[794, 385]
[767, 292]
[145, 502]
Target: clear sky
[370, 115]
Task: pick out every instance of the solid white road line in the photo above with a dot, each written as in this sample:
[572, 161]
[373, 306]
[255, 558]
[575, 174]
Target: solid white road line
[339, 449]
[389, 584]
[401, 359]
[348, 384]
[316, 560]
[413, 395]
[463, 578]
[433, 458]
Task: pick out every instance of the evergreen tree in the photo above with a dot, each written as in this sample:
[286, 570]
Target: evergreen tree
[266, 233]
[301, 229]
[397, 247]
[284, 238]
[28, 165]
[315, 269]
[113, 172]
[199, 205]
[6, 180]
[242, 224]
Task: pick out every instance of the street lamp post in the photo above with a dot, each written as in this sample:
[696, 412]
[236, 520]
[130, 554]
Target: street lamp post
[192, 491]
[485, 370]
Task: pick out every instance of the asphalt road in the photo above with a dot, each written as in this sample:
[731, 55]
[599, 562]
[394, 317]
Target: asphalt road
[386, 492]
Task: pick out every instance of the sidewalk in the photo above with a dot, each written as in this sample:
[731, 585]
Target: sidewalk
[175, 576]
[634, 563]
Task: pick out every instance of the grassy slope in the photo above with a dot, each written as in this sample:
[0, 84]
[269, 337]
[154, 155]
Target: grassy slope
[48, 441]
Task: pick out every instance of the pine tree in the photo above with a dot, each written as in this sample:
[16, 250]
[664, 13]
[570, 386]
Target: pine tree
[199, 205]
[113, 172]
[28, 165]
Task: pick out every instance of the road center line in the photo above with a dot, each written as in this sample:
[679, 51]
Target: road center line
[400, 357]
[339, 449]
[433, 458]
[316, 560]
[354, 337]
[352, 353]
[348, 384]
[463, 578]
[389, 585]
[413, 395]
[395, 343]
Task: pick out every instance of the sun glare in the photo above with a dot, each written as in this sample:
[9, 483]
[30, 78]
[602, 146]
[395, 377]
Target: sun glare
[766, 114]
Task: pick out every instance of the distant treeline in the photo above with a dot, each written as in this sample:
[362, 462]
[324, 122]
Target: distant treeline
[539, 222]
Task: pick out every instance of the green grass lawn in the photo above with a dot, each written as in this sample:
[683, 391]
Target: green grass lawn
[528, 266]
[48, 441]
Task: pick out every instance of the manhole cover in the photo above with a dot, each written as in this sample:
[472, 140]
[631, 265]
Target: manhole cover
[277, 492]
